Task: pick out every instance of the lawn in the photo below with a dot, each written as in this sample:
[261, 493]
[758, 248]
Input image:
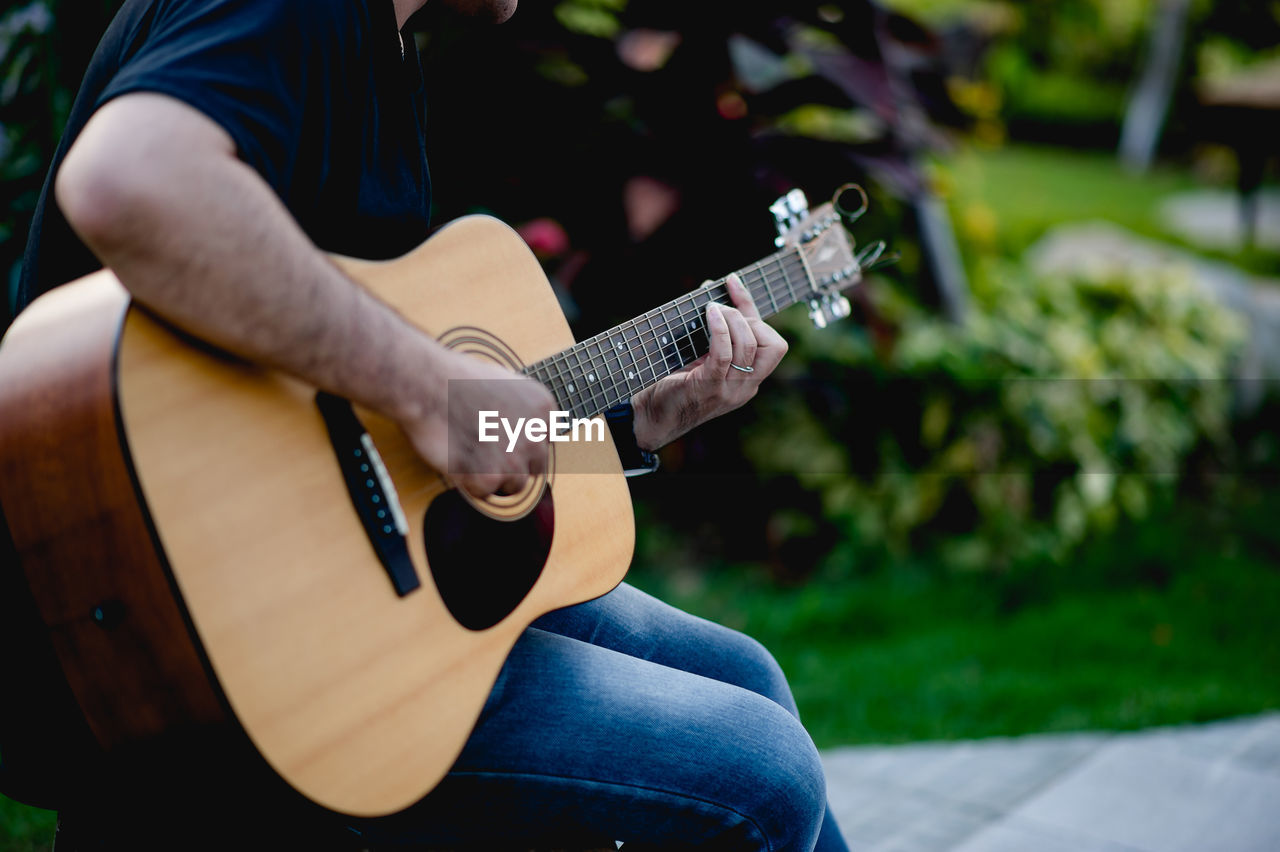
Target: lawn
[1004, 199]
[1168, 621]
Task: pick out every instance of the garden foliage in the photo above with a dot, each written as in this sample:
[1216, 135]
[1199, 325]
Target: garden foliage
[1060, 407]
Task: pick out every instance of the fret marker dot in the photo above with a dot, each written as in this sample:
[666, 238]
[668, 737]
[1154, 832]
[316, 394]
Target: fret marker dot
[571, 388]
[591, 377]
[631, 374]
[664, 340]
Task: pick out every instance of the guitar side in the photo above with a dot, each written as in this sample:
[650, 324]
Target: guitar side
[358, 697]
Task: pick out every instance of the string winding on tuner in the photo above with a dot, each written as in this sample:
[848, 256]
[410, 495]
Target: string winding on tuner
[829, 254]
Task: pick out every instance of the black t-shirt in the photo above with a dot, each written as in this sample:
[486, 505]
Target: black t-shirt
[318, 95]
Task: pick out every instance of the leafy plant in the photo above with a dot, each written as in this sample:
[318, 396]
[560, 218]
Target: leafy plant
[1060, 407]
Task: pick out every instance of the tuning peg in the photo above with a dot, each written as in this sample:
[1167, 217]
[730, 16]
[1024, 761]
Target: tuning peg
[818, 314]
[870, 254]
[788, 211]
[829, 308]
[840, 307]
[841, 204]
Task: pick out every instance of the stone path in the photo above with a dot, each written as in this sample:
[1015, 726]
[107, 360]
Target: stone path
[1212, 218]
[1206, 787]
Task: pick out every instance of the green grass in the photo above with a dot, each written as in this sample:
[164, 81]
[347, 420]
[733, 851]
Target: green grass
[24, 829]
[1160, 624]
[1005, 199]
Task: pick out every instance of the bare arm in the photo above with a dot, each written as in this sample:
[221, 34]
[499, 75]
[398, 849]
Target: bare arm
[154, 188]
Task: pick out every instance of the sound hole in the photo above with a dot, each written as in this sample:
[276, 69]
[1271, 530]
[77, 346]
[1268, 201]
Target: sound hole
[483, 567]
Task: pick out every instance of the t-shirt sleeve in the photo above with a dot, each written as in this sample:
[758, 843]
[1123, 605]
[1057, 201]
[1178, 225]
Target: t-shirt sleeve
[255, 67]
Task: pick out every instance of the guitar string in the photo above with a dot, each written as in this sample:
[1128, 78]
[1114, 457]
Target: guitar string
[717, 291]
[680, 344]
[592, 349]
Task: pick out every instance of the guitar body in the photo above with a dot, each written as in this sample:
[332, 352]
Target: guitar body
[186, 528]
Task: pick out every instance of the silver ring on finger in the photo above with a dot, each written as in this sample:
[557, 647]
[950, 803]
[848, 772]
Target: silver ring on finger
[742, 369]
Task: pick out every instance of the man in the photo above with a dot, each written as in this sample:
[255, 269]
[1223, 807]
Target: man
[216, 151]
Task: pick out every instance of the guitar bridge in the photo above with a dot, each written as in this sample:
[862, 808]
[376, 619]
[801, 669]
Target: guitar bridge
[373, 494]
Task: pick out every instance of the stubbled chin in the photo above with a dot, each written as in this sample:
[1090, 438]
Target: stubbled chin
[489, 11]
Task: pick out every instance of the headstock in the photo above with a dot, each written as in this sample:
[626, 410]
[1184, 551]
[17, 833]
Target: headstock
[826, 249]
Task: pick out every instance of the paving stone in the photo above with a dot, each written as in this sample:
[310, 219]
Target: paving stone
[1020, 835]
[1252, 743]
[1212, 219]
[993, 774]
[1202, 787]
[1152, 799]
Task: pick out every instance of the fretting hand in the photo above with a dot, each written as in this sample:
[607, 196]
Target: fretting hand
[743, 351]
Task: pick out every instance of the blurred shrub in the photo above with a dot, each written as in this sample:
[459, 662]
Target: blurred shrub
[1060, 407]
[1056, 67]
[41, 64]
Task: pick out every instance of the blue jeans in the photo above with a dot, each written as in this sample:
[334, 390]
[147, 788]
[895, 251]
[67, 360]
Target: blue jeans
[625, 718]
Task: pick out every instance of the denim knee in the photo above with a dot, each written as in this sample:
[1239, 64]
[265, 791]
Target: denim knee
[783, 777]
[750, 665]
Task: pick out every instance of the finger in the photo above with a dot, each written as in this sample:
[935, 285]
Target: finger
[720, 342]
[481, 484]
[538, 464]
[512, 484]
[770, 348]
[741, 297]
[742, 338]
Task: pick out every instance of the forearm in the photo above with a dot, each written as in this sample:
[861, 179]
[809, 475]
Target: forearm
[198, 237]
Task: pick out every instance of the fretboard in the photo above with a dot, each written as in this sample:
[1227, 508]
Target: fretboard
[600, 372]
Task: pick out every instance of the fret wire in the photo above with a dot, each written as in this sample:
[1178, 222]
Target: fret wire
[785, 261]
[622, 378]
[768, 288]
[640, 352]
[601, 372]
[763, 286]
[540, 372]
[671, 335]
[619, 374]
[780, 264]
[656, 321]
[801, 270]
[580, 381]
[633, 374]
[564, 398]
[773, 303]
[596, 355]
[585, 374]
[571, 381]
[648, 318]
[781, 261]
[613, 371]
[790, 287]
[661, 330]
[631, 371]
[585, 370]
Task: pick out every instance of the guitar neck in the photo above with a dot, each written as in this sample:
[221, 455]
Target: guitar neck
[600, 372]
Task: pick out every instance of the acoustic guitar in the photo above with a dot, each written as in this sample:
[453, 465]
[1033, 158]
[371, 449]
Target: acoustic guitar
[212, 542]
